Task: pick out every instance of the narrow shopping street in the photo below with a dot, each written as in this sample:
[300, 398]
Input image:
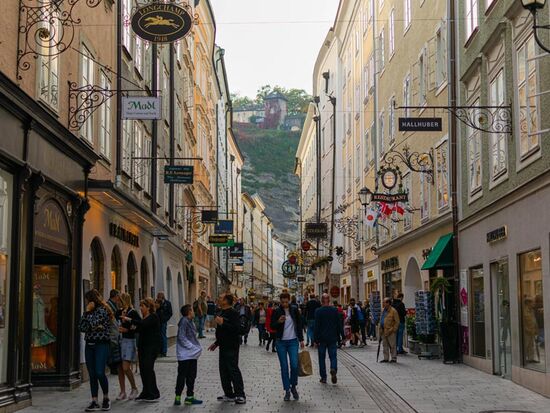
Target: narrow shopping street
[363, 386]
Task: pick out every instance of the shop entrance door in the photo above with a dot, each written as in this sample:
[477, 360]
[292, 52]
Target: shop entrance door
[502, 343]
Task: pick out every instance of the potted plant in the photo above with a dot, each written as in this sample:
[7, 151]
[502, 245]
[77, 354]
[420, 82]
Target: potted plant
[412, 339]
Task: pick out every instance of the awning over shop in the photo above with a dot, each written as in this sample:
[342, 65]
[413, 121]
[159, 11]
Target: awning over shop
[441, 255]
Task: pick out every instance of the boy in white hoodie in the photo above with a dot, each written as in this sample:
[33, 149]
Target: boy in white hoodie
[188, 350]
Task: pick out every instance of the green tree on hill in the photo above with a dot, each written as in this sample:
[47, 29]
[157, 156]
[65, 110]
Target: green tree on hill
[298, 99]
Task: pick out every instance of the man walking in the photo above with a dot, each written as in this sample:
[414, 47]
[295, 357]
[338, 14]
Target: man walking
[389, 324]
[164, 313]
[287, 323]
[200, 307]
[328, 330]
[311, 306]
[228, 340]
[210, 313]
[245, 318]
[402, 311]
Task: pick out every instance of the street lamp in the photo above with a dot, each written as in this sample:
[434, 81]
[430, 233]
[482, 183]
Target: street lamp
[533, 6]
[365, 196]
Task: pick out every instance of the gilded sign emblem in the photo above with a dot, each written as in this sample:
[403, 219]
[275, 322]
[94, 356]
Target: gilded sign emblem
[162, 22]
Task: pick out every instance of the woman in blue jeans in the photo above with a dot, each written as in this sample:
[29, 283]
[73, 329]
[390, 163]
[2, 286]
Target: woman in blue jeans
[287, 323]
[96, 324]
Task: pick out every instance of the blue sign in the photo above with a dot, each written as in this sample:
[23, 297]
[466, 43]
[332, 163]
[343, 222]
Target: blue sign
[224, 227]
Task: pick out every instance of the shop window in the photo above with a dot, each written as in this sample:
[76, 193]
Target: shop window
[168, 284]
[478, 312]
[131, 268]
[532, 311]
[45, 300]
[116, 269]
[144, 278]
[97, 262]
[6, 191]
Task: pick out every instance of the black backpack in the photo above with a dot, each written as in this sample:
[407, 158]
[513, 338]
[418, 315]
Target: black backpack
[244, 325]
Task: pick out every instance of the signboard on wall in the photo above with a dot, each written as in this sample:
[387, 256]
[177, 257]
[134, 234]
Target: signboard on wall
[316, 230]
[178, 174]
[420, 125]
[224, 227]
[162, 22]
[141, 108]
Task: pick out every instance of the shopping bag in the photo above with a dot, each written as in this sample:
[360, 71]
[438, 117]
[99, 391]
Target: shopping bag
[305, 367]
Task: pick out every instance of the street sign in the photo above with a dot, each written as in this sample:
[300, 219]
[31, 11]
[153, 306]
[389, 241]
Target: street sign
[229, 243]
[289, 269]
[301, 279]
[237, 251]
[141, 108]
[218, 239]
[224, 227]
[162, 22]
[316, 230]
[178, 174]
[209, 217]
[420, 125]
[236, 261]
[390, 198]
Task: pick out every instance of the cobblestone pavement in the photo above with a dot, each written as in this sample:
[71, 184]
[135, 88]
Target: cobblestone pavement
[363, 386]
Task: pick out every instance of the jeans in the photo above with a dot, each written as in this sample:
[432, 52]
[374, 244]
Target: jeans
[290, 348]
[372, 330]
[147, 358]
[310, 327]
[362, 326]
[230, 374]
[261, 332]
[332, 355]
[200, 326]
[400, 333]
[187, 373]
[96, 355]
[164, 337]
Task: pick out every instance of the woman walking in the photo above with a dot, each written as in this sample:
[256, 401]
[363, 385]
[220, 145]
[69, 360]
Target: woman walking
[96, 324]
[149, 346]
[188, 350]
[270, 331]
[259, 321]
[286, 321]
[127, 348]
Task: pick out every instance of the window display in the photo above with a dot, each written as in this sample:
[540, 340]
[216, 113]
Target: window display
[532, 311]
[478, 312]
[6, 188]
[45, 299]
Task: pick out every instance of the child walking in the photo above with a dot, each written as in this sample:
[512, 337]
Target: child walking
[188, 350]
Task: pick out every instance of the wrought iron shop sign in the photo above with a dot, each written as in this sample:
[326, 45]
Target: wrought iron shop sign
[390, 263]
[178, 174]
[420, 125]
[316, 230]
[390, 198]
[162, 22]
[218, 239]
[497, 234]
[224, 227]
[141, 108]
[123, 234]
[237, 251]
[209, 217]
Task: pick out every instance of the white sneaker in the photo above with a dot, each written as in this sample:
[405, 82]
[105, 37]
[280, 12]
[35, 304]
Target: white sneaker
[133, 394]
[121, 396]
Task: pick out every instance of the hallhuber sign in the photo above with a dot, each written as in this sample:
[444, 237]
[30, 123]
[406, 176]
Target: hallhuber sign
[162, 22]
[141, 108]
[420, 125]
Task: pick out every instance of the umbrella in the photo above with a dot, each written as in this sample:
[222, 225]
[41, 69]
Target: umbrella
[378, 352]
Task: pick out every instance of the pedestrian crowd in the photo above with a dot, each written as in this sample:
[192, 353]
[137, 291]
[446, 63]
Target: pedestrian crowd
[125, 340]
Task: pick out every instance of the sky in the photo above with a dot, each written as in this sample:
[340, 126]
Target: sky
[273, 42]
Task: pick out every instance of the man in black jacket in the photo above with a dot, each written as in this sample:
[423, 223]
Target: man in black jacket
[164, 313]
[228, 340]
[287, 323]
[311, 305]
[402, 311]
[328, 331]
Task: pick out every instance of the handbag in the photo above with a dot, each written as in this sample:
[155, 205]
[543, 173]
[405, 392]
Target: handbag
[305, 367]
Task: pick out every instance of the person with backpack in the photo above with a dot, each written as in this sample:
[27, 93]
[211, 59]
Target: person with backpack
[96, 325]
[228, 340]
[245, 318]
[128, 349]
[188, 350]
[287, 322]
[149, 347]
[115, 359]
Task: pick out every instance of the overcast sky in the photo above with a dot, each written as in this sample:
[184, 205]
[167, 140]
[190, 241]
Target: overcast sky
[271, 42]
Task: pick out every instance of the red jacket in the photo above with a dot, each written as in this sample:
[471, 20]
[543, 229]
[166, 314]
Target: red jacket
[268, 314]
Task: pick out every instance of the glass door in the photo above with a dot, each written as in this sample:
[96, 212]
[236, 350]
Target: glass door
[502, 342]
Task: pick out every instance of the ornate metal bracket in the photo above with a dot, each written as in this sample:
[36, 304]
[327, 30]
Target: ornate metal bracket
[415, 161]
[46, 28]
[84, 101]
[488, 119]
[349, 227]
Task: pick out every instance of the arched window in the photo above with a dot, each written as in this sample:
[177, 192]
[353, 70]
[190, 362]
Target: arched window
[144, 278]
[180, 290]
[131, 268]
[168, 284]
[97, 266]
[116, 269]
